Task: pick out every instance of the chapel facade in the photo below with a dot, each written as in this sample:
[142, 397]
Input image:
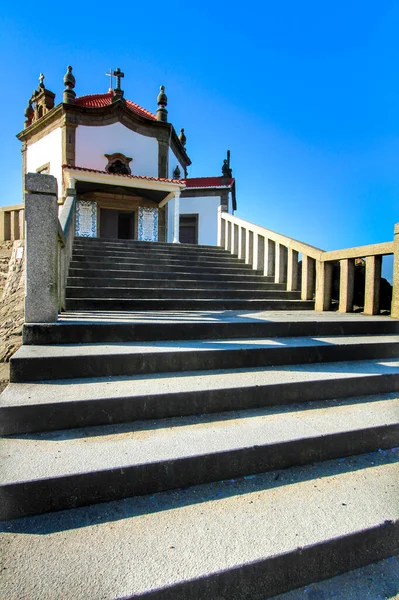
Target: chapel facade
[127, 166]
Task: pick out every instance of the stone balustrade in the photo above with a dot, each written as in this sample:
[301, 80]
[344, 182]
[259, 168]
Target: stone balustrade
[12, 222]
[278, 256]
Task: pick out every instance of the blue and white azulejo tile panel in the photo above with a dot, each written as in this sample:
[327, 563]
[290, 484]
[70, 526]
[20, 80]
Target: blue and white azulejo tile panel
[148, 224]
[86, 218]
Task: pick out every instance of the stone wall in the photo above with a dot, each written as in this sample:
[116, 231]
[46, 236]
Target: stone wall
[12, 271]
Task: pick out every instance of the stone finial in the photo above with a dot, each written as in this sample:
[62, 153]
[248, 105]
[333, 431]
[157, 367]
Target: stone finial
[226, 170]
[176, 173]
[29, 114]
[162, 113]
[69, 82]
[41, 80]
[182, 137]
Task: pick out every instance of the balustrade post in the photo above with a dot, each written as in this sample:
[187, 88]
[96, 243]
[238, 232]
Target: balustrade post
[372, 285]
[324, 272]
[307, 278]
[269, 260]
[41, 213]
[395, 290]
[236, 235]
[346, 284]
[280, 275]
[221, 230]
[241, 242]
[21, 218]
[248, 246]
[292, 270]
[255, 251]
[232, 237]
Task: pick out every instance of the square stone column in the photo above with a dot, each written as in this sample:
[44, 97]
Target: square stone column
[176, 219]
[41, 215]
[346, 284]
[395, 291]
[372, 286]
[324, 271]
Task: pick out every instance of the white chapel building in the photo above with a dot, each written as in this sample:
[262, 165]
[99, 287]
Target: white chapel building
[126, 166]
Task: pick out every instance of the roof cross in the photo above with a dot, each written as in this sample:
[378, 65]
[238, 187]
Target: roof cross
[110, 74]
[118, 74]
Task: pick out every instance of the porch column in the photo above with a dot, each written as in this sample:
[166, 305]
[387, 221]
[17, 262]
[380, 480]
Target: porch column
[176, 225]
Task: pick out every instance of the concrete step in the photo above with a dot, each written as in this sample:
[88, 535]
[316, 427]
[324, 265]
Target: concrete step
[181, 293]
[35, 363]
[245, 539]
[150, 262]
[63, 469]
[119, 271]
[32, 407]
[117, 281]
[179, 267]
[159, 254]
[149, 258]
[118, 304]
[153, 246]
[94, 327]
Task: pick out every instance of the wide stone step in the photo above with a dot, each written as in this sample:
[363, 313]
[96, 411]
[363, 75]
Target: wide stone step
[97, 327]
[142, 265]
[128, 244]
[118, 304]
[148, 260]
[160, 254]
[35, 363]
[246, 539]
[181, 293]
[98, 282]
[30, 407]
[119, 271]
[63, 469]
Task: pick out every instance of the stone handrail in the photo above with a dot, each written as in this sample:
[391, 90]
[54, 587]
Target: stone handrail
[277, 256]
[12, 222]
[66, 232]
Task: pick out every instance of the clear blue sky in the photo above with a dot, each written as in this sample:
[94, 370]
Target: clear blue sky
[304, 94]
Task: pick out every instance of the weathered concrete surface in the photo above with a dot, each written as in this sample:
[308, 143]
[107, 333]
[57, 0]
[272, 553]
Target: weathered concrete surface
[127, 548]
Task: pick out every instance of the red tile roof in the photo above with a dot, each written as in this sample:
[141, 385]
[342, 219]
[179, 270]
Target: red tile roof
[100, 100]
[120, 175]
[208, 182]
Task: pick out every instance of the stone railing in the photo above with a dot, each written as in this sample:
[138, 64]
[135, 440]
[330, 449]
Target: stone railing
[12, 222]
[49, 241]
[278, 256]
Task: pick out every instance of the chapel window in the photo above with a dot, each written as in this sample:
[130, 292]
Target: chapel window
[118, 164]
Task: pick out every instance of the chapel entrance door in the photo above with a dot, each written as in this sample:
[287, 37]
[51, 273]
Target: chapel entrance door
[116, 224]
[188, 233]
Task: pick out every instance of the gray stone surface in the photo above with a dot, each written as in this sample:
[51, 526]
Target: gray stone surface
[52, 454]
[41, 214]
[126, 548]
[40, 184]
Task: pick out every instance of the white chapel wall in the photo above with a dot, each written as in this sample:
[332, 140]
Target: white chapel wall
[47, 150]
[93, 142]
[206, 207]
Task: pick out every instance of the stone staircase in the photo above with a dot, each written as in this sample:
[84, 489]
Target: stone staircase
[222, 455]
[129, 275]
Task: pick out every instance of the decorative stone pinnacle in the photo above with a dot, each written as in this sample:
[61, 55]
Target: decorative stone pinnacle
[29, 113]
[162, 97]
[69, 79]
[182, 137]
[69, 82]
[177, 173]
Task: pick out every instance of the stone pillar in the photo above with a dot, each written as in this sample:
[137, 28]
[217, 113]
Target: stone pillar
[280, 275]
[372, 286]
[14, 225]
[346, 284]
[255, 252]
[292, 270]
[241, 242]
[41, 214]
[307, 283]
[324, 271]
[395, 291]
[221, 225]
[269, 260]
[21, 218]
[176, 220]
